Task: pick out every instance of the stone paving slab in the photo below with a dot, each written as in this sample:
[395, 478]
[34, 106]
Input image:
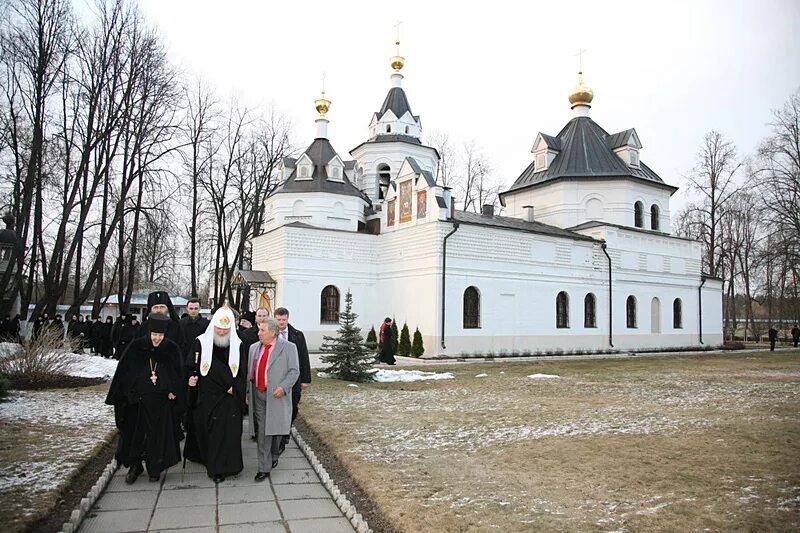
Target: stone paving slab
[241, 513]
[246, 494]
[322, 508]
[188, 530]
[122, 501]
[116, 521]
[320, 525]
[187, 497]
[300, 491]
[279, 477]
[183, 517]
[262, 527]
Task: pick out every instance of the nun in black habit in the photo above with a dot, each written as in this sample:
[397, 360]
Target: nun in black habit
[147, 393]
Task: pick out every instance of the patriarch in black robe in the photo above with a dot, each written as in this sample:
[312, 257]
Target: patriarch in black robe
[217, 384]
[147, 393]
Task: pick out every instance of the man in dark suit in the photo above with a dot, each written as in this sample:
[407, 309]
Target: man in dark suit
[292, 334]
[193, 325]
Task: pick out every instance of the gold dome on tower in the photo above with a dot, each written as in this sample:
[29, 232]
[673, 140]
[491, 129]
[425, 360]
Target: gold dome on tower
[581, 94]
[398, 61]
[322, 105]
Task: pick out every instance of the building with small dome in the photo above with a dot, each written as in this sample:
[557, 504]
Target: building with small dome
[583, 258]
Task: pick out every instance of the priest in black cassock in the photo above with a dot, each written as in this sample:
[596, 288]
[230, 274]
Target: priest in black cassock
[217, 385]
[147, 393]
[159, 302]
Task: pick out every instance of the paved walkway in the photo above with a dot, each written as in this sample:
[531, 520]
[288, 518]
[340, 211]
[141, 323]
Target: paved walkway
[292, 500]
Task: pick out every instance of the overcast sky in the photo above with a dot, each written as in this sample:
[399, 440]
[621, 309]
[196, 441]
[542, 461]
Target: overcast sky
[499, 72]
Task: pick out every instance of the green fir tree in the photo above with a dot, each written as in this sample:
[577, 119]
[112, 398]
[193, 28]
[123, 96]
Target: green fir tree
[404, 348]
[417, 348]
[395, 335]
[372, 340]
[346, 354]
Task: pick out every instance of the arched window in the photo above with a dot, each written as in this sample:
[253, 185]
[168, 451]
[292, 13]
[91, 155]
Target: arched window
[630, 311]
[590, 311]
[654, 214]
[388, 129]
[562, 310]
[329, 305]
[298, 208]
[677, 314]
[638, 215]
[655, 315]
[384, 177]
[406, 130]
[472, 308]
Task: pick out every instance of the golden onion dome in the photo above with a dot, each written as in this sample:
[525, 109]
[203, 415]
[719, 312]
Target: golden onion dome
[581, 94]
[397, 60]
[322, 105]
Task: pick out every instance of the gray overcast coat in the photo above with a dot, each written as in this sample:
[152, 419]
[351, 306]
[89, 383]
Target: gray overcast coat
[283, 369]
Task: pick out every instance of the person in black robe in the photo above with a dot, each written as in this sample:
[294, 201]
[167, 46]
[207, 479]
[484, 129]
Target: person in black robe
[159, 302]
[387, 342]
[128, 331]
[218, 382]
[147, 393]
[106, 346]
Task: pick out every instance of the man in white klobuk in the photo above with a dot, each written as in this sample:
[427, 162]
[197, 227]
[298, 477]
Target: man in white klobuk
[274, 369]
[219, 375]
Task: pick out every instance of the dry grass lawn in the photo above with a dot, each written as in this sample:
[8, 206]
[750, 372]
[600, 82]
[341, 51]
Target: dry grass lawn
[45, 437]
[707, 442]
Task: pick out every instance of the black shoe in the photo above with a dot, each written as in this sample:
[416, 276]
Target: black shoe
[274, 463]
[133, 473]
[254, 437]
[261, 476]
[155, 478]
[219, 478]
[281, 449]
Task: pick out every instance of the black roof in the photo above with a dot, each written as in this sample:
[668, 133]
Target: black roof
[586, 152]
[418, 170]
[599, 223]
[466, 217]
[397, 101]
[320, 152]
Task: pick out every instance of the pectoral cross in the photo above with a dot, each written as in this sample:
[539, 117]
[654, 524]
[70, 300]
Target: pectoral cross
[153, 376]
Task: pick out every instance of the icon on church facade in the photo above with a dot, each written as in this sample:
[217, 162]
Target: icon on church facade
[422, 204]
[390, 213]
[405, 201]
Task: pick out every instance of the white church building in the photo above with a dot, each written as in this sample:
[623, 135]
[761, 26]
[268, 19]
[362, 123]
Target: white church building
[582, 260]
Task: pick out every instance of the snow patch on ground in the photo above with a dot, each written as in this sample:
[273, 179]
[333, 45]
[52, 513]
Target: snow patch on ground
[544, 376]
[481, 375]
[93, 366]
[404, 376]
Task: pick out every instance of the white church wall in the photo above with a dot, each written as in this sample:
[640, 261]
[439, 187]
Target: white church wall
[370, 155]
[324, 210]
[567, 203]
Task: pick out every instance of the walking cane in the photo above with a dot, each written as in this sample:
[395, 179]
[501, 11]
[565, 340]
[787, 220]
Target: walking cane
[188, 403]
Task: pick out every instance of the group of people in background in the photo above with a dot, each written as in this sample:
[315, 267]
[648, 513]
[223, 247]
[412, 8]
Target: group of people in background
[196, 379]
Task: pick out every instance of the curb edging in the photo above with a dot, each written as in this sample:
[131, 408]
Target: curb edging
[348, 509]
[82, 509]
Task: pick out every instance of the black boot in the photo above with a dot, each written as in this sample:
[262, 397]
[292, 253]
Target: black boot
[133, 473]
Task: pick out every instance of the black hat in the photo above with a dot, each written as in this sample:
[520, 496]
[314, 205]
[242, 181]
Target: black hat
[158, 297]
[158, 323]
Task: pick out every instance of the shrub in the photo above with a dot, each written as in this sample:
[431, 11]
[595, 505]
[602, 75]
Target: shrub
[395, 336]
[404, 346]
[372, 340]
[417, 348]
[5, 384]
[42, 362]
[346, 354]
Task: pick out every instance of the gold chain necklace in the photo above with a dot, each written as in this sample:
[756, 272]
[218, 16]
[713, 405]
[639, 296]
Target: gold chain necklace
[153, 376]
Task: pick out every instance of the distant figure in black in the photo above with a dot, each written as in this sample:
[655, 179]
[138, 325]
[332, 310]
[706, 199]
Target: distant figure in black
[773, 338]
[796, 335]
[387, 342]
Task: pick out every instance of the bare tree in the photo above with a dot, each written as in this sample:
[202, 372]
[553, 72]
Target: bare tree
[447, 158]
[714, 179]
[476, 184]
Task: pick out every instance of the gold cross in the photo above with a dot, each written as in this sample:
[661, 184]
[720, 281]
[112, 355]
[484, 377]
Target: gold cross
[580, 53]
